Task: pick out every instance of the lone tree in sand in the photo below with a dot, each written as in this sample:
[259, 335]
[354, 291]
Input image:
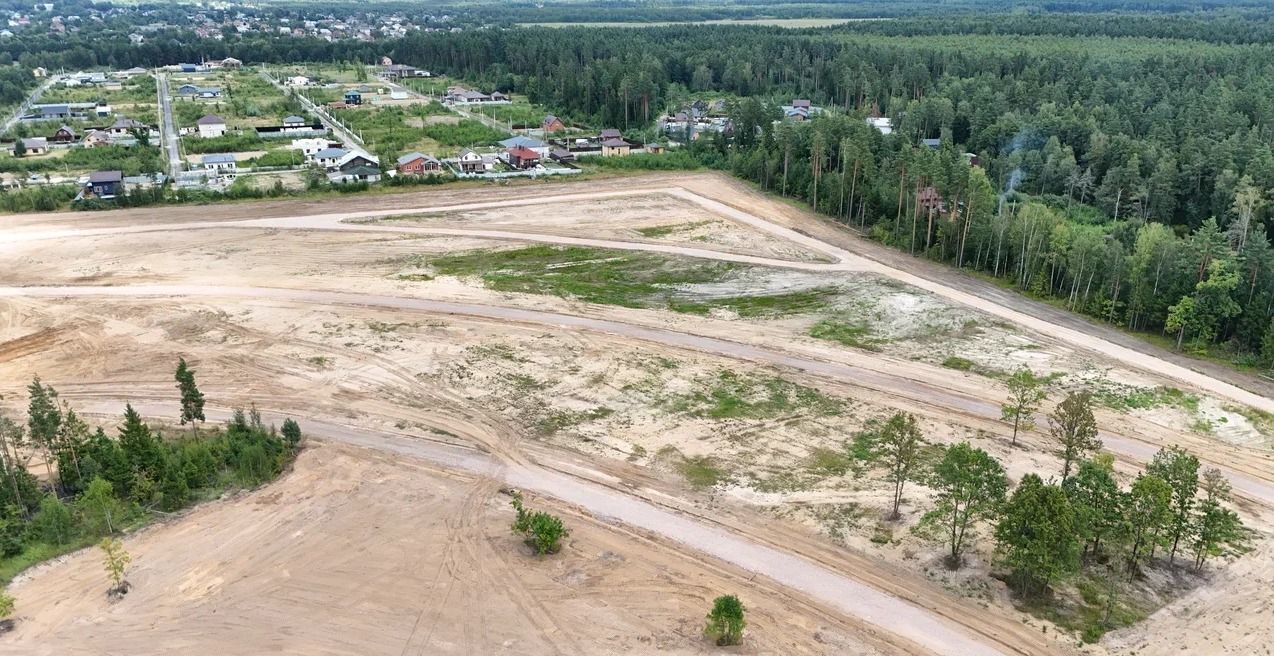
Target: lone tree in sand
[899, 445]
[542, 531]
[725, 621]
[191, 397]
[1075, 428]
[1025, 393]
[116, 560]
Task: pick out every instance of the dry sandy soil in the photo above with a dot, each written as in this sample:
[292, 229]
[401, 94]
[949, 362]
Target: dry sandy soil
[623, 395]
[358, 552]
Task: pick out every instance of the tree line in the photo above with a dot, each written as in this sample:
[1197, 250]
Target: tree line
[1081, 520]
[97, 486]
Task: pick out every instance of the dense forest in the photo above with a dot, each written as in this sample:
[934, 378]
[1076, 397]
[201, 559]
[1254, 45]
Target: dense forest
[1126, 178]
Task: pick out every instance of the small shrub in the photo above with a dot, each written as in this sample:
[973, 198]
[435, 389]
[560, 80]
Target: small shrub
[726, 621]
[542, 531]
[958, 363]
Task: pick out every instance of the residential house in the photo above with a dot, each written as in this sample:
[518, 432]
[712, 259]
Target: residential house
[932, 144]
[124, 126]
[400, 71]
[136, 39]
[881, 123]
[496, 96]
[552, 123]
[39, 71]
[64, 135]
[103, 184]
[310, 146]
[522, 158]
[48, 112]
[295, 123]
[129, 74]
[211, 127]
[358, 173]
[560, 154]
[610, 133]
[34, 145]
[801, 104]
[540, 148]
[471, 162]
[653, 148]
[414, 163]
[328, 157]
[231, 62]
[220, 164]
[931, 201]
[353, 98]
[95, 138]
[355, 158]
[297, 81]
[616, 148]
[101, 109]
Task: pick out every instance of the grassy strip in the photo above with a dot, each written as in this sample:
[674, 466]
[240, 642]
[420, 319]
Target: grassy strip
[636, 280]
[736, 396]
[848, 334]
[770, 305]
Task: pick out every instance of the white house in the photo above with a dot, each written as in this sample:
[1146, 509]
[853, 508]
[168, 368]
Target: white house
[471, 162]
[540, 148]
[297, 81]
[220, 163]
[310, 146]
[211, 126]
[881, 123]
[329, 157]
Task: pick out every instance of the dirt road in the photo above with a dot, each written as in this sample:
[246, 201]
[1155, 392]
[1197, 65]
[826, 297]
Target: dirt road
[929, 623]
[845, 261]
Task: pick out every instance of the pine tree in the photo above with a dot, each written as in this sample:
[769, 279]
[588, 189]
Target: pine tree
[191, 397]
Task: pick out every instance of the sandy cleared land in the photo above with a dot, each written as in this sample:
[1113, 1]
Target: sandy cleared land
[308, 314]
[358, 552]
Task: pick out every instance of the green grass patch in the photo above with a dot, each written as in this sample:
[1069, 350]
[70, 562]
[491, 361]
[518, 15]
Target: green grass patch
[854, 335]
[770, 305]
[559, 420]
[734, 396]
[1086, 615]
[657, 232]
[1127, 397]
[701, 472]
[958, 363]
[636, 280]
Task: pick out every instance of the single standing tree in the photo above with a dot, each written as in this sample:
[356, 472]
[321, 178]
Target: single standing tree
[1036, 535]
[1179, 470]
[291, 432]
[726, 621]
[1097, 502]
[44, 419]
[1025, 393]
[101, 511]
[1147, 510]
[116, 559]
[971, 486]
[191, 397]
[1217, 531]
[1074, 427]
[899, 446]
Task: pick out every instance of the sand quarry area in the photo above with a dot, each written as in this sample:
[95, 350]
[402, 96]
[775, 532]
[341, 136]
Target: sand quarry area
[670, 363]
